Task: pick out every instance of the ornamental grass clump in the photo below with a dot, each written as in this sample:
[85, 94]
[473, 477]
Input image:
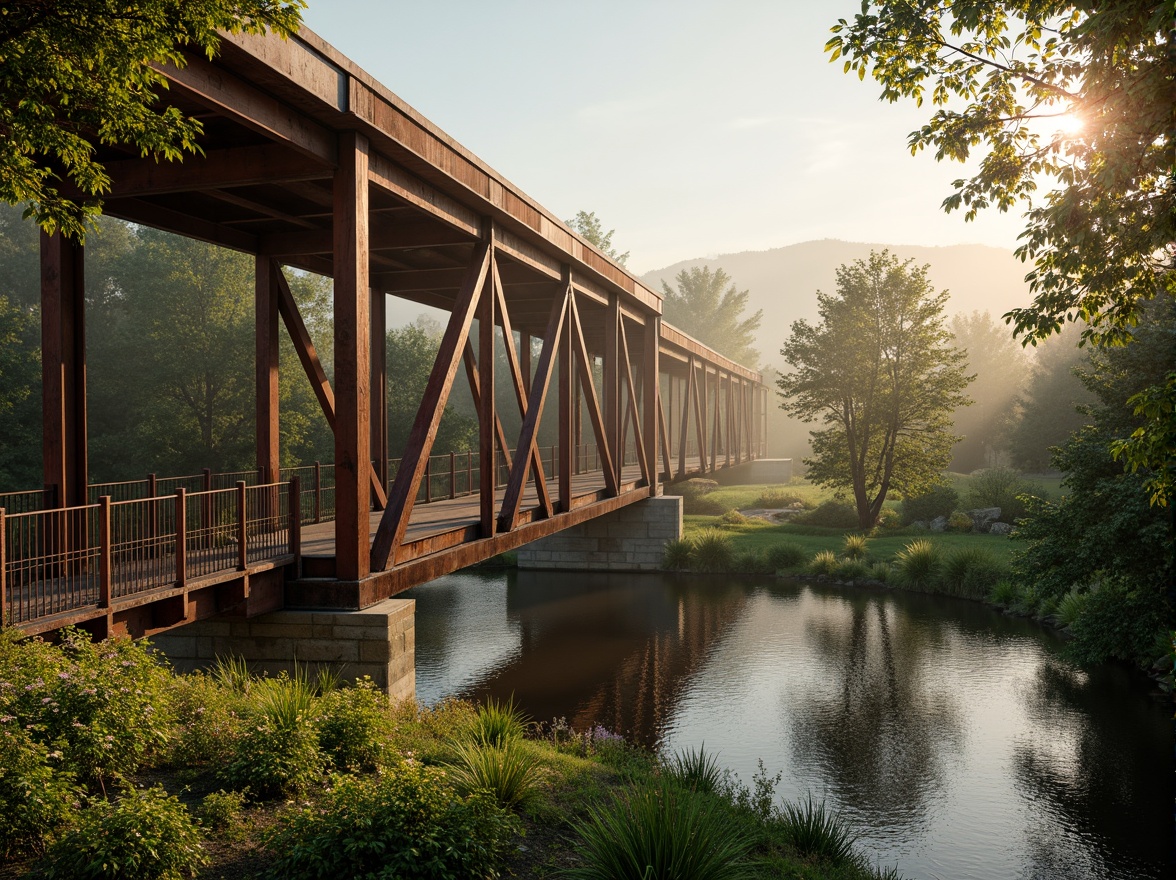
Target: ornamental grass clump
[855, 547]
[498, 722]
[786, 554]
[278, 754]
[851, 570]
[712, 551]
[751, 562]
[676, 554]
[1071, 606]
[917, 565]
[660, 831]
[969, 572]
[824, 562]
[509, 772]
[881, 572]
[815, 831]
[142, 835]
[695, 770]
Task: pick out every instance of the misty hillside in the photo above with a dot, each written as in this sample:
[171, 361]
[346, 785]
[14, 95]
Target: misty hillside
[784, 281]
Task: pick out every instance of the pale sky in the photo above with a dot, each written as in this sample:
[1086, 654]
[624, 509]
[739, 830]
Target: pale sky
[692, 128]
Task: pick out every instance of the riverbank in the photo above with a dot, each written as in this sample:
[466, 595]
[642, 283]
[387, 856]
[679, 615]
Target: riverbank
[117, 767]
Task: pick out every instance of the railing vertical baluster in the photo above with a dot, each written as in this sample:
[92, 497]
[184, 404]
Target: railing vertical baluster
[181, 537]
[3, 572]
[206, 510]
[295, 505]
[318, 491]
[104, 551]
[242, 527]
[428, 479]
[452, 474]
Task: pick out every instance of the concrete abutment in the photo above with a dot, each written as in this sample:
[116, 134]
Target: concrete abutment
[632, 538]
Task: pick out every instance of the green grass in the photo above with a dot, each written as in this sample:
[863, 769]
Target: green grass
[758, 535]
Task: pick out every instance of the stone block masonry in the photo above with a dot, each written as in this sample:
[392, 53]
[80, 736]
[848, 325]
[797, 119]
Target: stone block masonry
[379, 641]
[630, 539]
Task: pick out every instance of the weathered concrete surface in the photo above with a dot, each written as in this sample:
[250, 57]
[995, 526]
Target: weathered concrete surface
[379, 642]
[630, 539]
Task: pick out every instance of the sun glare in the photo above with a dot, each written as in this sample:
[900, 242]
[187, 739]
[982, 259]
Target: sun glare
[1068, 124]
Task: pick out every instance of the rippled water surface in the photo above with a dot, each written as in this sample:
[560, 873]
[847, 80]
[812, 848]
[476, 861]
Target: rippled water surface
[951, 737]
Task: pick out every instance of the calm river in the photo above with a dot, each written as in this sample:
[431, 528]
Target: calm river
[951, 737]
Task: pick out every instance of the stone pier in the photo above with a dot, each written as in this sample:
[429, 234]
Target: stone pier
[630, 539]
[378, 642]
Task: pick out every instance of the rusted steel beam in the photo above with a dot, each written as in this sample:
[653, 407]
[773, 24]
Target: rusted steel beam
[383, 236]
[267, 433]
[149, 214]
[394, 180]
[567, 452]
[689, 398]
[612, 384]
[650, 399]
[525, 450]
[63, 369]
[216, 169]
[700, 417]
[394, 522]
[473, 376]
[487, 414]
[592, 402]
[638, 431]
[532, 415]
[352, 359]
[379, 396]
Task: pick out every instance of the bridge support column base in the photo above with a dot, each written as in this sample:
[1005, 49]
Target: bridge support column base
[379, 642]
[632, 538]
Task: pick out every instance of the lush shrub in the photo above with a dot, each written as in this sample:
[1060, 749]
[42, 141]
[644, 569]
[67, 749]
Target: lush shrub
[917, 565]
[970, 571]
[497, 722]
[938, 501]
[143, 835]
[508, 771]
[881, 571]
[824, 562]
[103, 705]
[851, 570]
[1121, 621]
[695, 770]
[405, 822]
[676, 555]
[220, 811]
[37, 797]
[278, 755]
[712, 551]
[831, 514]
[779, 499]
[733, 518]
[208, 721]
[1002, 487]
[658, 832]
[855, 547]
[889, 518]
[354, 725]
[786, 554]
[817, 832]
[960, 522]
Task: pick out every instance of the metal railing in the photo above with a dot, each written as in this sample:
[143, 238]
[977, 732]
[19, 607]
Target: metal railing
[69, 559]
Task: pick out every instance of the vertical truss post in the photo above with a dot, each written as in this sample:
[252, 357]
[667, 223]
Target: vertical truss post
[488, 472]
[266, 367]
[569, 452]
[352, 359]
[379, 393]
[611, 376]
[63, 369]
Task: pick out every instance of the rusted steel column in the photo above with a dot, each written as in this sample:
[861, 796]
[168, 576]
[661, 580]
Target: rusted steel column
[651, 382]
[242, 526]
[105, 556]
[569, 452]
[181, 537]
[488, 470]
[3, 572]
[63, 369]
[352, 360]
[266, 347]
[379, 391]
[611, 376]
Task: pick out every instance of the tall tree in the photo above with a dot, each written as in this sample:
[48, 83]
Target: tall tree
[1000, 366]
[77, 74]
[709, 307]
[590, 226]
[880, 373]
[1073, 93]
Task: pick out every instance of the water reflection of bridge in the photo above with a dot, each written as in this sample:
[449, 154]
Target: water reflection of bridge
[309, 164]
[632, 647]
